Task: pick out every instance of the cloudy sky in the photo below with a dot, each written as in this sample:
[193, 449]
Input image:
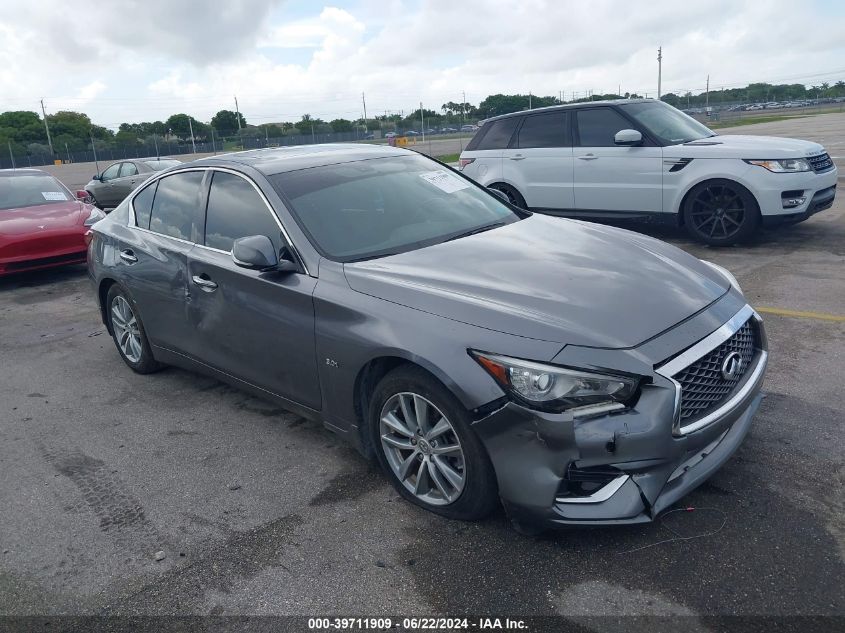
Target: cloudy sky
[139, 60]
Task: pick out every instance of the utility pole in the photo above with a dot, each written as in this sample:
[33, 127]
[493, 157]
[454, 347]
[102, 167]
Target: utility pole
[364, 101]
[619, 90]
[155, 140]
[707, 93]
[422, 122]
[47, 127]
[191, 128]
[659, 69]
[94, 149]
[267, 135]
[12, 156]
[67, 151]
[529, 99]
[213, 144]
[238, 115]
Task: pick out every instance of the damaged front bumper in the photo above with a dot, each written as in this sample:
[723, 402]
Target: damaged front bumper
[617, 468]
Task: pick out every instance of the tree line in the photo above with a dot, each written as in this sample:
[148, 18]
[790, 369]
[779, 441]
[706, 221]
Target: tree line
[24, 132]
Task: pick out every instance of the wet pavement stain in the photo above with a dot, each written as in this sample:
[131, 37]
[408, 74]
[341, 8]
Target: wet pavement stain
[350, 485]
[243, 555]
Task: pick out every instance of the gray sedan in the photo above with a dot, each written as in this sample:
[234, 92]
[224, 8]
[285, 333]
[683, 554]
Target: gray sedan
[576, 373]
[109, 188]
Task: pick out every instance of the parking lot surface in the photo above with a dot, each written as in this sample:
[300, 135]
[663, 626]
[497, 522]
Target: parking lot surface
[260, 512]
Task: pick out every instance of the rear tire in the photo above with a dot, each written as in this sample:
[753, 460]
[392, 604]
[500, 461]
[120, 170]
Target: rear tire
[720, 212]
[514, 197]
[422, 438]
[94, 201]
[128, 332]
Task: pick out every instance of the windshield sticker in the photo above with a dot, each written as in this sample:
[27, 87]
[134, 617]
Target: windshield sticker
[53, 195]
[444, 181]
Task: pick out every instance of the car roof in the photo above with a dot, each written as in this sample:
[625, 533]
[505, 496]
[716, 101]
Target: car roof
[276, 160]
[569, 106]
[24, 171]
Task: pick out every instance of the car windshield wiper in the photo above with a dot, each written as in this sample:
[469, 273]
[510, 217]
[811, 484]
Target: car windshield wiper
[480, 229]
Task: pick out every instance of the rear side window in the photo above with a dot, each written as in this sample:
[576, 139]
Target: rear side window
[176, 200]
[236, 210]
[598, 126]
[544, 130]
[128, 169]
[143, 205]
[499, 134]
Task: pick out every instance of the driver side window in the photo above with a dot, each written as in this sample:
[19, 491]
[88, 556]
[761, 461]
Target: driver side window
[111, 172]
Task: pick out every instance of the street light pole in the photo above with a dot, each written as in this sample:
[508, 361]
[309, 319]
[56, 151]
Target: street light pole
[191, 128]
[47, 127]
[659, 69]
[94, 149]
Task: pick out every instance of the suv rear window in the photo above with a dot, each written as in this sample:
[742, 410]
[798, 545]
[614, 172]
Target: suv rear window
[544, 130]
[495, 135]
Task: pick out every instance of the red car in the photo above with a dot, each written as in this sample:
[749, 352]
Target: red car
[42, 224]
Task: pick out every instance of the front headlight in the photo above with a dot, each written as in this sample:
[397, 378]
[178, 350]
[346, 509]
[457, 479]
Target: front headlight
[555, 389]
[788, 165]
[725, 273]
[95, 216]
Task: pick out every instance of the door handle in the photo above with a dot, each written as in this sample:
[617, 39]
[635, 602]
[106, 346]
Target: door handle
[518, 157]
[128, 256]
[588, 157]
[131, 182]
[204, 282]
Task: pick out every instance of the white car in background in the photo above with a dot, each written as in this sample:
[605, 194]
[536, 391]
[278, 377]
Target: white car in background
[644, 159]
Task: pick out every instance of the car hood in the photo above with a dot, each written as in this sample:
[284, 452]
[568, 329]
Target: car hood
[42, 217]
[744, 146]
[551, 279]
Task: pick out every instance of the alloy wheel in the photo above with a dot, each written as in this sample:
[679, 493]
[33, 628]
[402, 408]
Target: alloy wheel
[422, 448]
[126, 330]
[718, 212]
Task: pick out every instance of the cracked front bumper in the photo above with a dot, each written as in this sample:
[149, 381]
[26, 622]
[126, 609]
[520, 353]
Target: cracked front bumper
[532, 452]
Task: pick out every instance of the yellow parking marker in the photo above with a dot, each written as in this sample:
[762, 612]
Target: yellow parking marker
[798, 314]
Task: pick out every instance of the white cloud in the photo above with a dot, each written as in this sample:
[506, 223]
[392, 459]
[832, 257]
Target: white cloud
[202, 54]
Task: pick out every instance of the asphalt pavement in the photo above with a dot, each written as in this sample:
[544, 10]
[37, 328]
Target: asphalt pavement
[259, 512]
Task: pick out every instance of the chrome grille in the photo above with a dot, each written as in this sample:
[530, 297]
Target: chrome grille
[820, 163]
[702, 385]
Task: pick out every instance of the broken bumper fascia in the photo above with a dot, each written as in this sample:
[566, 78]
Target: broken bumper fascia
[531, 452]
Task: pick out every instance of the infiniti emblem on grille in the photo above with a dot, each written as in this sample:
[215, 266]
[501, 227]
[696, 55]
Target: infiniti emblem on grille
[732, 366]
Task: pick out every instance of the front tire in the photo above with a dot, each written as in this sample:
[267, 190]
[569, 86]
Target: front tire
[422, 437]
[514, 197]
[721, 212]
[128, 332]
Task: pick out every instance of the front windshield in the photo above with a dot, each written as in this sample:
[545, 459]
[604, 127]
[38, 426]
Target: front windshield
[382, 206]
[669, 125]
[159, 165]
[30, 190]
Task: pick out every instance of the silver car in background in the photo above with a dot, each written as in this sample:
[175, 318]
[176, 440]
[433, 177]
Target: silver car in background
[578, 374]
[109, 188]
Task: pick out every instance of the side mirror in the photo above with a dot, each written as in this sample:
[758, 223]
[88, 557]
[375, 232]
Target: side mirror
[500, 194]
[258, 252]
[628, 138]
[96, 177]
[83, 196]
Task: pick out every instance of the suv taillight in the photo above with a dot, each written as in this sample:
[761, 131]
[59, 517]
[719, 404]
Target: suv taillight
[463, 162]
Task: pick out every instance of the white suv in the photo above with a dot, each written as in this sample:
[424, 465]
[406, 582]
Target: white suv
[644, 159]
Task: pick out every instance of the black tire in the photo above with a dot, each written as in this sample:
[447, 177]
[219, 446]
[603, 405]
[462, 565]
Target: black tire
[479, 496]
[721, 212]
[145, 363]
[514, 197]
[94, 201]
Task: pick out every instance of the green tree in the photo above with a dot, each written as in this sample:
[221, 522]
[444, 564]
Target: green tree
[180, 125]
[341, 125]
[226, 122]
